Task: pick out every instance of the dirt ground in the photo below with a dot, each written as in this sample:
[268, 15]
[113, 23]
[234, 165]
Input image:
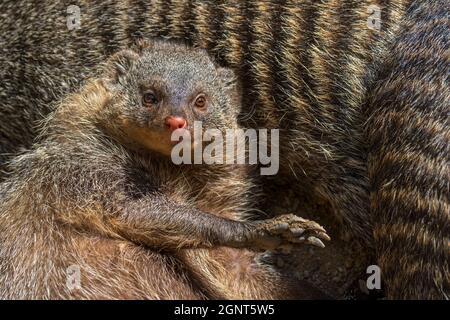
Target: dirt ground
[339, 269]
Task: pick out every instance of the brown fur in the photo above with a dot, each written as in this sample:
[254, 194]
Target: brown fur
[409, 161]
[309, 68]
[136, 225]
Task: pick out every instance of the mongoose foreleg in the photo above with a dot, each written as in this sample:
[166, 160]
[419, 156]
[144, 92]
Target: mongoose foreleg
[160, 222]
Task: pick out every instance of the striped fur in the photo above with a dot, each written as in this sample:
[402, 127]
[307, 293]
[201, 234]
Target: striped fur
[306, 66]
[409, 159]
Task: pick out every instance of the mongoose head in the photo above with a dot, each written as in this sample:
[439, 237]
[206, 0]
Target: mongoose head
[164, 86]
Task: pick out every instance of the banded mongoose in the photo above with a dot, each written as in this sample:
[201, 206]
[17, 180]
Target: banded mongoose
[99, 193]
[359, 90]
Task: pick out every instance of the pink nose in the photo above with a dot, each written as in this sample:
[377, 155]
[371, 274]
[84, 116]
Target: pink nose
[174, 123]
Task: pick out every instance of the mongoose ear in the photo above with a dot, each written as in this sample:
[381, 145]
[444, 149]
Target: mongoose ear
[119, 64]
[227, 76]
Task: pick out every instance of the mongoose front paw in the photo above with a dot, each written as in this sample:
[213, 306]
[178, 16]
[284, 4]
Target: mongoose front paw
[285, 231]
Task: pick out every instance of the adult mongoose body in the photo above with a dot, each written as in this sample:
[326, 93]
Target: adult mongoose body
[315, 69]
[100, 195]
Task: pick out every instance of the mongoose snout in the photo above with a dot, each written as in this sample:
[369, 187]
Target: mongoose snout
[174, 123]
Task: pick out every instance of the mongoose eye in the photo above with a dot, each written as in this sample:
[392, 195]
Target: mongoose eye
[149, 99]
[200, 102]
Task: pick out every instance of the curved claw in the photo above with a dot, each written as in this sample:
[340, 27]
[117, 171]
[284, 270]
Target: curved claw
[315, 242]
[324, 236]
[297, 232]
[281, 227]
